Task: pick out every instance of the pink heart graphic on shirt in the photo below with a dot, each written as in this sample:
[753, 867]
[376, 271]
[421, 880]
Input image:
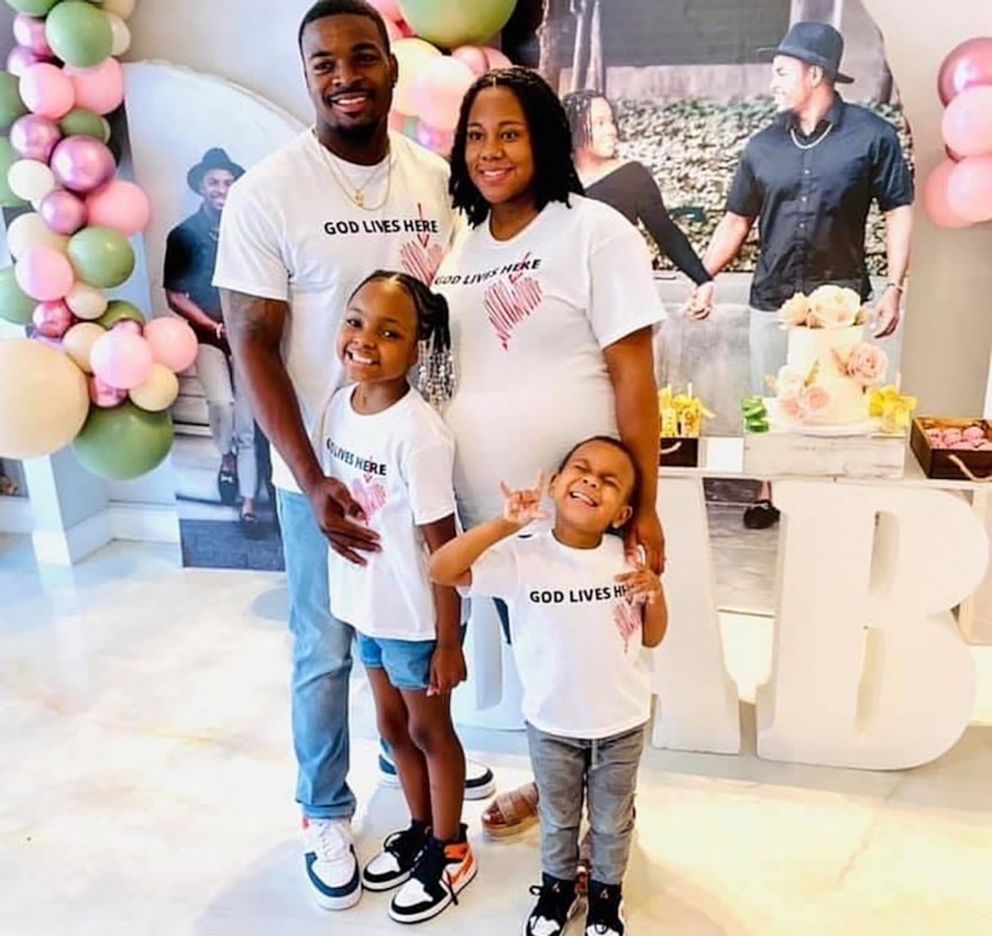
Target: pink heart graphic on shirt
[420, 261]
[371, 498]
[508, 303]
[627, 617]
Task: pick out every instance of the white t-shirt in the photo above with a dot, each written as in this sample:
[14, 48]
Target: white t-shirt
[397, 464]
[576, 636]
[530, 319]
[289, 231]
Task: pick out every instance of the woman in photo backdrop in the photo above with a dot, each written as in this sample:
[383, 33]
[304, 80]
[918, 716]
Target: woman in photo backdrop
[190, 257]
[628, 186]
[552, 309]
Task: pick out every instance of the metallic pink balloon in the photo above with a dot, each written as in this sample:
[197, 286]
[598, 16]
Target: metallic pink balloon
[103, 395]
[81, 163]
[63, 212]
[34, 137]
[966, 66]
[52, 319]
[21, 58]
[30, 32]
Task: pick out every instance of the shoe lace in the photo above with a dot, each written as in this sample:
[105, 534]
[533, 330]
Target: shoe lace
[431, 869]
[405, 846]
[329, 841]
[552, 900]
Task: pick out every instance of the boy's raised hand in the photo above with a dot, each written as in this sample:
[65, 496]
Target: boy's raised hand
[522, 507]
[643, 586]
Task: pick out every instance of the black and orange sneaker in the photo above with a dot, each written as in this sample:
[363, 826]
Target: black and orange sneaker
[441, 874]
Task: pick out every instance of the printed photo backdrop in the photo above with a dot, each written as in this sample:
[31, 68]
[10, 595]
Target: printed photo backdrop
[689, 86]
[191, 136]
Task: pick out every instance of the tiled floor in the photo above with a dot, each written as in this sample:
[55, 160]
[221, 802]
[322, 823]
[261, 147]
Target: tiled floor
[146, 788]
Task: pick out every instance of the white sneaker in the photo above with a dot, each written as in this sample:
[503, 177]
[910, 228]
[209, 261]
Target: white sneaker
[479, 780]
[332, 868]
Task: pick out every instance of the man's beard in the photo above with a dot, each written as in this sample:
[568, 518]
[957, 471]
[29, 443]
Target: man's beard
[360, 134]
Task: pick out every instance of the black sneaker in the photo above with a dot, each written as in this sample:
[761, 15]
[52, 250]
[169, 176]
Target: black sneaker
[605, 916]
[393, 865]
[442, 872]
[557, 903]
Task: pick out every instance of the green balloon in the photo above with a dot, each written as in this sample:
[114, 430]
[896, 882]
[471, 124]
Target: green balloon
[7, 158]
[452, 23]
[15, 305]
[101, 257]
[123, 443]
[32, 7]
[118, 311]
[79, 34]
[83, 122]
[11, 105]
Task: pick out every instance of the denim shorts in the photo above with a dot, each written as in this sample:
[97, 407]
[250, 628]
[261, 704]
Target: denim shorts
[407, 662]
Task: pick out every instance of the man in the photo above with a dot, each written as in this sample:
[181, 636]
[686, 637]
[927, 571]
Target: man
[299, 232]
[190, 258]
[810, 179]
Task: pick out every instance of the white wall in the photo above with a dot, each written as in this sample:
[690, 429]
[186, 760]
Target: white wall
[949, 333]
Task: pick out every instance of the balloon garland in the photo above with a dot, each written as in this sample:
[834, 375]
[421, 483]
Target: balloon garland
[431, 85]
[93, 373]
[959, 191]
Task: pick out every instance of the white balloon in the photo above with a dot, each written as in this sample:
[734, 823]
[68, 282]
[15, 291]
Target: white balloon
[86, 302]
[121, 8]
[121, 34]
[29, 230]
[30, 179]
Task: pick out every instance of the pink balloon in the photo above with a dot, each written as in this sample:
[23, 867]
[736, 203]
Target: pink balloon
[436, 140]
[439, 89]
[389, 10]
[129, 325]
[406, 30]
[172, 342]
[969, 189]
[966, 66]
[496, 58]
[53, 319]
[63, 212]
[968, 122]
[103, 395]
[101, 89]
[34, 137]
[82, 163]
[120, 205]
[47, 90]
[474, 57]
[121, 359]
[21, 59]
[44, 274]
[935, 198]
[392, 30]
[30, 32]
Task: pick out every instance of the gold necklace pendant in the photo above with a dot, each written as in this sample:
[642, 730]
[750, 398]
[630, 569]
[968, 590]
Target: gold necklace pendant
[360, 199]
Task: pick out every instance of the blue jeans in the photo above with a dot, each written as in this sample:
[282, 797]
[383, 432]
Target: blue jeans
[321, 667]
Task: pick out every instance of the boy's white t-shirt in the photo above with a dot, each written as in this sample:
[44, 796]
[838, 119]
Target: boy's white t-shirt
[530, 319]
[290, 232]
[397, 465]
[576, 636]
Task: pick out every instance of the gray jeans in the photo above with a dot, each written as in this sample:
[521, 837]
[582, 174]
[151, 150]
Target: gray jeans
[605, 771]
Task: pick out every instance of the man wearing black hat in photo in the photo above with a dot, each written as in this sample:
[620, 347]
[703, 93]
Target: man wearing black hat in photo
[190, 257]
[809, 179]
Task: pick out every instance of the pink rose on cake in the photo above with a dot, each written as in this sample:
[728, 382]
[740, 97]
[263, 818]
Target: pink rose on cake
[833, 307]
[795, 311]
[867, 364]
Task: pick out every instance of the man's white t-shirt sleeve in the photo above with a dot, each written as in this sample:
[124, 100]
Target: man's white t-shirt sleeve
[623, 298]
[249, 253]
[428, 472]
[495, 574]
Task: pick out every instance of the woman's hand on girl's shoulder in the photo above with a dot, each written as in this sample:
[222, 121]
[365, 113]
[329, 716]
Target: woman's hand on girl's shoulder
[447, 670]
[643, 586]
[644, 532]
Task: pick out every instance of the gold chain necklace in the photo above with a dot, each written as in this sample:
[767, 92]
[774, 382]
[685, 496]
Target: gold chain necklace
[357, 195]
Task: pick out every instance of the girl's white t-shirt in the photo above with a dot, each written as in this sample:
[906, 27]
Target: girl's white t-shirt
[577, 639]
[530, 319]
[290, 232]
[397, 465]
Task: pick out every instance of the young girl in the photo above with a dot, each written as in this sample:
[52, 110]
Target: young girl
[579, 614]
[391, 450]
